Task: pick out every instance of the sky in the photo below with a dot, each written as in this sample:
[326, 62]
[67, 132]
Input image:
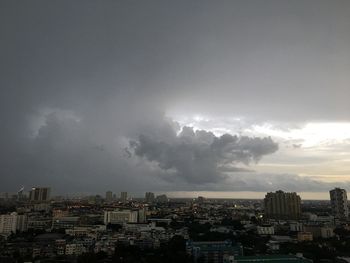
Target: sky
[217, 98]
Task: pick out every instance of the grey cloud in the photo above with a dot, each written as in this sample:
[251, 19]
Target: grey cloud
[296, 146]
[229, 169]
[200, 156]
[69, 155]
[265, 182]
[271, 182]
[108, 71]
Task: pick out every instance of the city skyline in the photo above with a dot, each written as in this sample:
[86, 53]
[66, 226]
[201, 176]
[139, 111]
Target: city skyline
[229, 99]
[237, 195]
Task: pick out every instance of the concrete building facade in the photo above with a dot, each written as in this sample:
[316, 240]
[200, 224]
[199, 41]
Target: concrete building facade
[8, 223]
[282, 205]
[339, 203]
[39, 194]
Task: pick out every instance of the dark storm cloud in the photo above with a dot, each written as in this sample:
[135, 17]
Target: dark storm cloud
[200, 156]
[80, 79]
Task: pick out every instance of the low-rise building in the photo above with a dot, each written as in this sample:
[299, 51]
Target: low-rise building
[39, 222]
[327, 232]
[314, 229]
[65, 222]
[119, 217]
[57, 213]
[296, 226]
[265, 230]
[60, 245]
[304, 236]
[82, 231]
[75, 249]
[213, 251]
[269, 259]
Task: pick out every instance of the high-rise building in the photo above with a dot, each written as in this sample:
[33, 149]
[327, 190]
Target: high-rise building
[200, 199]
[39, 194]
[162, 198]
[281, 205]
[8, 223]
[20, 195]
[22, 223]
[339, 203]
[142, 215]
[149, 197]
[109, 196]
[124, 196]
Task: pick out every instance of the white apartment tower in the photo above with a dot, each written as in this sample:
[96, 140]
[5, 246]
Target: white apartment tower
[339, 203]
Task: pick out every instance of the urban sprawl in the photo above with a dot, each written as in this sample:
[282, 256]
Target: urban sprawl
[36, 227]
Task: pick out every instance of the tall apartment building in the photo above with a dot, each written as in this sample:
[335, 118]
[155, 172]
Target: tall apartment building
[142, 215]
[162, 198]
[109, 196]
[22, 223]
[339, 203]
[149, 197]
[281, 205]
[39, 194]
[123, 196]
[8, 223]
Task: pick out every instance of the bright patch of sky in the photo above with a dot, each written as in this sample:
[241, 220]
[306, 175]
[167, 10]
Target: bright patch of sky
[312, 134]
[317, 149]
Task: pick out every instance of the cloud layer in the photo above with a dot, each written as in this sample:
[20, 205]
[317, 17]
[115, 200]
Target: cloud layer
[79, 81]
[200, 156]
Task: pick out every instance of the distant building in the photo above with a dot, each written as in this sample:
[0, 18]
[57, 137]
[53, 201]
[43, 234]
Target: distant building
[22, 223]
[120, 217]
[304, 236]
[42, 207]
[339, 203]
[65, 222]
[270, 259]
[149, 197]
[265, 230]
[124, 196]
[281, 205]
[8, 223]
[314, 229]
[213, 251]
[20, 195]
[75, 249]
[200, 199]
[39, 223]
[296, 226]
[4, 196]
[39, 194]
[109, 196]
[95, 199]
[142, 215]
[162, 199]
[57, 213]
[327, 232]
[60, 245]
